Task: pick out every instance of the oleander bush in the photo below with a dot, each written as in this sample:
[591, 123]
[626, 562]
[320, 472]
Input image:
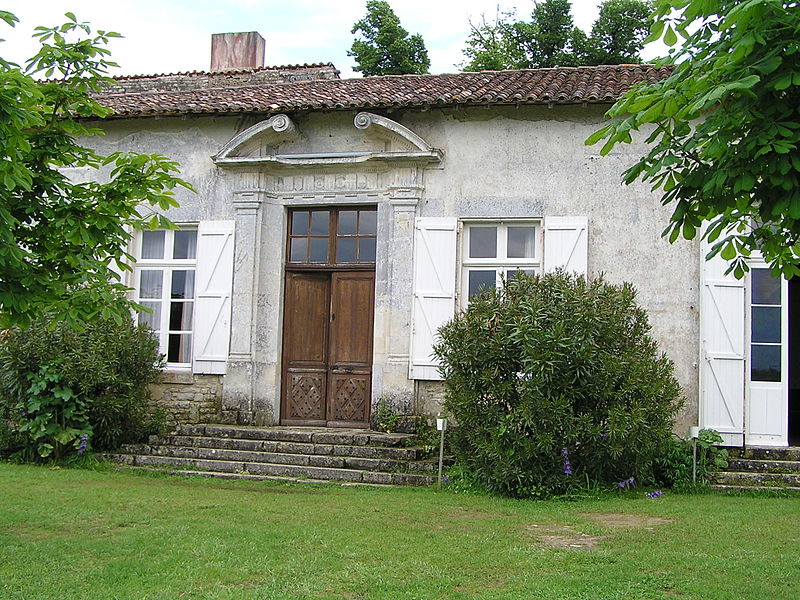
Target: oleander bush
[556, 385]
[66, 390]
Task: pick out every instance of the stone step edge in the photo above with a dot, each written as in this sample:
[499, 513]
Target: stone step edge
[754, 488]
[766, 465]
[364, 437]
[390, 465]
[206, 441]
[750, 475]
[249, 477]
[765, 453]
[243, 467]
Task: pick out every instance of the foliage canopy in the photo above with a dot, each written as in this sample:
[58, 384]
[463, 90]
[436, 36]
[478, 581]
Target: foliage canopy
[384, 47]
[62, 240]
[550, 38]
[554, 380]
[724, 128]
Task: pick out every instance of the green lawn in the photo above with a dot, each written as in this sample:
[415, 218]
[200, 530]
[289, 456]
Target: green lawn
[73, 534]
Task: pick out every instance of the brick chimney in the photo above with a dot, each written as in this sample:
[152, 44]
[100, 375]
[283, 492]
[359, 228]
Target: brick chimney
[230, 51]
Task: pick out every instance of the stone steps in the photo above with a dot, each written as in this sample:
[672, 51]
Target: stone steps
[762, 469]
[243, 476]
[308, 454]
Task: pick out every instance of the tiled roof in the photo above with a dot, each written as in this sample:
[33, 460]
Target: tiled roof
[567, 85]
[230, 72]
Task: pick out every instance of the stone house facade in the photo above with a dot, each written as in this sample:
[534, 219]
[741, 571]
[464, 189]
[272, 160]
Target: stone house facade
[337, 223]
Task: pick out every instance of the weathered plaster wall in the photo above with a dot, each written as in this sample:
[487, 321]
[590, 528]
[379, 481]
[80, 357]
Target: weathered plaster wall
[524, 162]
[531, 162]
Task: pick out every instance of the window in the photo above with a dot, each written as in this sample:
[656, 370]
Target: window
[765, 326]
[165, 283]
[496, 250]
[320, 237]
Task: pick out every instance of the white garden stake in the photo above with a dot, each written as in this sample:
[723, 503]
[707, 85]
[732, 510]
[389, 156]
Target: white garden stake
[441, 425]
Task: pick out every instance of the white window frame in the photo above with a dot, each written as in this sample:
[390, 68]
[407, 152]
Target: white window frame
[500, 263]
[167, 265]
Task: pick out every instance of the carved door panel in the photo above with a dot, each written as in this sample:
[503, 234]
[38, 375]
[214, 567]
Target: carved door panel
[350, 349]
[305, 348]
[327, 348]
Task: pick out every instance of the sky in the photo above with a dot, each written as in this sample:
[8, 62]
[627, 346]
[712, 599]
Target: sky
[169, 36]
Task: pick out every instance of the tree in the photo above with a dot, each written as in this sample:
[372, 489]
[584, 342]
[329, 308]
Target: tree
[723, 128]
[619, 32]
[550, 39]
[62, 241]
[386, 48]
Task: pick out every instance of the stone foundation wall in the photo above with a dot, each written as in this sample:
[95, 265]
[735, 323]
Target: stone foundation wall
[188, 398]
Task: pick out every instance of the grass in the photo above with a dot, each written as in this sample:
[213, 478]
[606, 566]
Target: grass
[77, 534]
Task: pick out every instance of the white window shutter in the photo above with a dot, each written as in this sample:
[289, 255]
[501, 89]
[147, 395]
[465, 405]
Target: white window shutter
[566, 244]
[722, 338]
[212, 308]
[434, 290]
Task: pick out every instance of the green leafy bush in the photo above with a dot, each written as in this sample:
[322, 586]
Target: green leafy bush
[555, 382]
[65, 389]
[673, 467]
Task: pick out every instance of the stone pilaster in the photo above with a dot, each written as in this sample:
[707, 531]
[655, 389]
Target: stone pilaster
[393, 297]
[237, 396]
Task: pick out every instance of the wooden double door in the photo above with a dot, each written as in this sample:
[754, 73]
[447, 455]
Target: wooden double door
[327, 348]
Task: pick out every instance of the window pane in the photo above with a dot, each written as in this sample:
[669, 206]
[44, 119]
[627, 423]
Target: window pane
[482, 242]
[513, 273]
[766, 324]
[521, 242]
[151, 282]
[300, 223]
[765, 289]
[765, 363]
[481, 281]
[183, 284]
[298, 250]
[185, 244]
[153, 319]
[366, 250]
[320, 220]
[153, 244]
[180, 316]
[319, 250]
[368, 222]
[179, 349]
[347, 222]
[346, 250]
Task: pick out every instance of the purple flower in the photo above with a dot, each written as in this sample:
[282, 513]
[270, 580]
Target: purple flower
[623, 483]
[567, 464]
[631, 481]
[654, 494]
[604, 436]
[446, 479]
[84, 443]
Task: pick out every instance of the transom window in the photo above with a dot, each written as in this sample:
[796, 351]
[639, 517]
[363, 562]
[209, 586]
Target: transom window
[496, 250]
[320, 237]
[165, 284]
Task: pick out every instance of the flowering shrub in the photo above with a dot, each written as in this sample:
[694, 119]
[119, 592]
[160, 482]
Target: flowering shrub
[68, 391]
[554, 382]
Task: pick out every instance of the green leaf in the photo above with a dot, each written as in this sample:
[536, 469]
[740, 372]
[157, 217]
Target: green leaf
[670, 37]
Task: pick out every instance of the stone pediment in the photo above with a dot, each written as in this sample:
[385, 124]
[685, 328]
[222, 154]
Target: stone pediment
[261, 143]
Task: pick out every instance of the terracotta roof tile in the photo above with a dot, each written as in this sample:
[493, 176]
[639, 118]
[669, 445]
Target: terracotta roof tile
[568, 85]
